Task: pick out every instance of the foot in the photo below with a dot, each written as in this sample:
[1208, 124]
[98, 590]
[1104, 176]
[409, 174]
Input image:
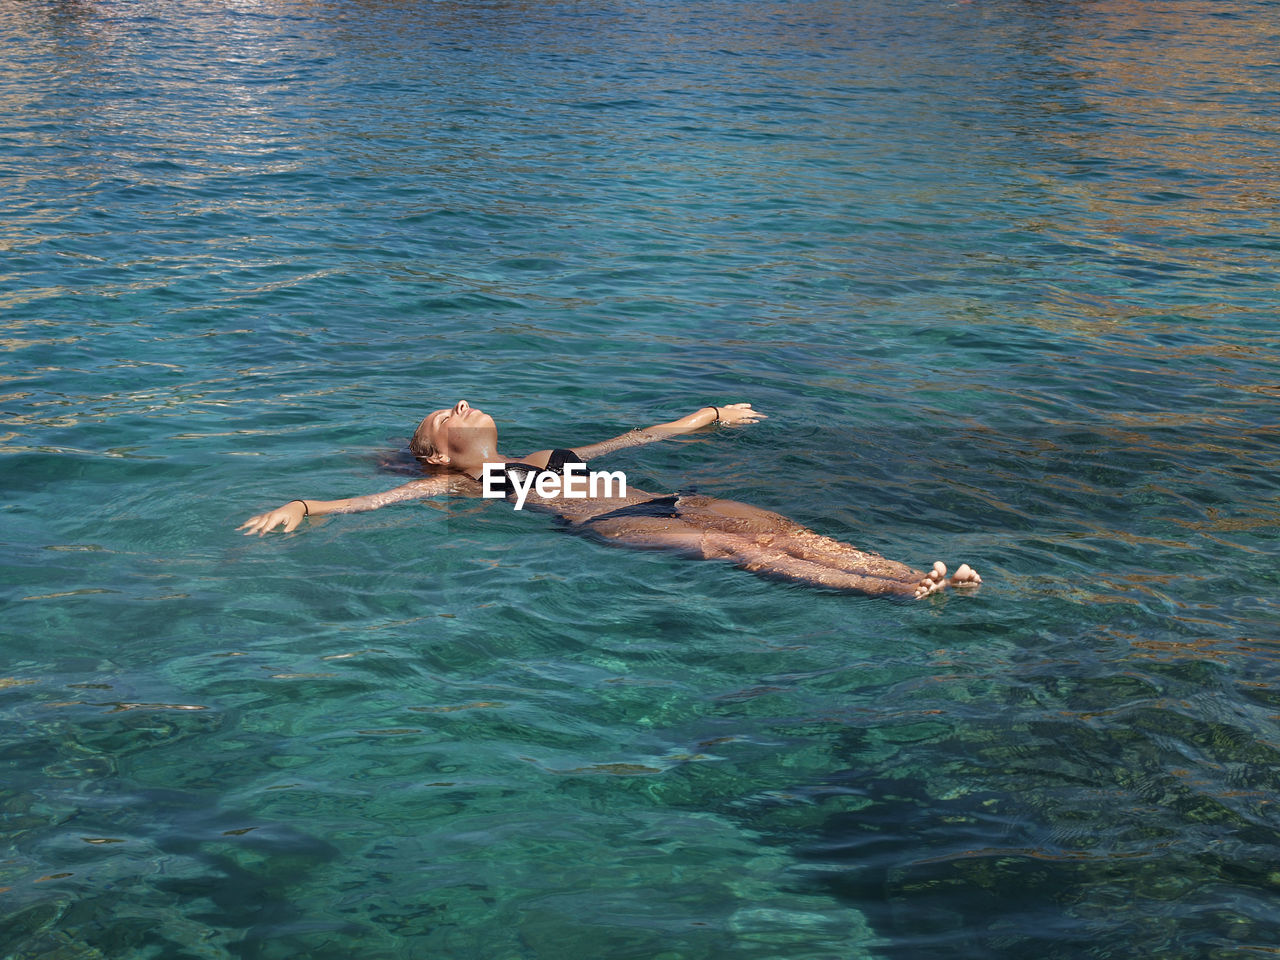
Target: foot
[936, 579]
[965, 576]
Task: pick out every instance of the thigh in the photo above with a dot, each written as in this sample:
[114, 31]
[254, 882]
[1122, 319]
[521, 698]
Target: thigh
[765, 529]
[660, 533]
[734, 516]
[765, 559]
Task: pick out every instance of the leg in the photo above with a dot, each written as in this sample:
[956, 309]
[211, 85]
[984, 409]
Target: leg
[770, 555]
[786, 537]
[769, 561]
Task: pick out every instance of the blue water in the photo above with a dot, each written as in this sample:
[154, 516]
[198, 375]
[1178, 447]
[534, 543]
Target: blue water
[1004, 277]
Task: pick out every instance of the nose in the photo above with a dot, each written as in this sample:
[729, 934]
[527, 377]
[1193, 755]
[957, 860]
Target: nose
[460, 408]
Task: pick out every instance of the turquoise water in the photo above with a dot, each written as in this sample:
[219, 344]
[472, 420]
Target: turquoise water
[1004, 277]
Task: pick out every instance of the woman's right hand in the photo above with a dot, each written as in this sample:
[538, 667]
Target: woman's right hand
[290, 515]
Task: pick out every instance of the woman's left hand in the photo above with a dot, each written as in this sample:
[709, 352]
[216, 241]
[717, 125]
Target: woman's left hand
[740, 413]
[289, 515]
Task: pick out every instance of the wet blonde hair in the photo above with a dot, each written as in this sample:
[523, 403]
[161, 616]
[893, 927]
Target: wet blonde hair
[420, 445]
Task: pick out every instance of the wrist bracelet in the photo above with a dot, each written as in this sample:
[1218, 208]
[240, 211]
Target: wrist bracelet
[717, 410]
[305, 511]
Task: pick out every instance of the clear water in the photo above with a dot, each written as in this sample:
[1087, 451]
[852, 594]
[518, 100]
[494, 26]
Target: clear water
[1003, 274]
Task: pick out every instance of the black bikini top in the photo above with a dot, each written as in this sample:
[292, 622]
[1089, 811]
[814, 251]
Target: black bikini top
[555, 464]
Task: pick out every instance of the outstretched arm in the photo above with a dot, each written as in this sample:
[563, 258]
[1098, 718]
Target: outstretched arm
[732, 413]
[291, 514]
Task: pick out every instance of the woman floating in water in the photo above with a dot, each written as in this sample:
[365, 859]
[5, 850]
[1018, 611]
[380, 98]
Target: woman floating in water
[459, 447]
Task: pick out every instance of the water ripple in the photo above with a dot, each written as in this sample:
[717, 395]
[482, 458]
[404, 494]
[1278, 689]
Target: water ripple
[1003, 276]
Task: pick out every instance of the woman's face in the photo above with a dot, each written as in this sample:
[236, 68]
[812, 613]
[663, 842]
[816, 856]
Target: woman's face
[460, 432]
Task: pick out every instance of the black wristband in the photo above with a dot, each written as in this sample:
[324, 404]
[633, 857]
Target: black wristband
[717, 410]
[305, 512]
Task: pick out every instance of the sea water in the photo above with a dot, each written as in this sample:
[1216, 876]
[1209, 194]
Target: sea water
[1003, 276]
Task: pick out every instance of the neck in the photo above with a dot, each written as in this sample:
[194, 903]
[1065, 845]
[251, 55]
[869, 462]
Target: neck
[473, 463]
